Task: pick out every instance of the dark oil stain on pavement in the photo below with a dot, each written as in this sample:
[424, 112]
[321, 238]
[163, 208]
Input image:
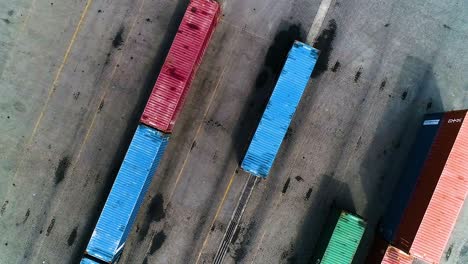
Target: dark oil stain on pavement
[158, 241]
[108, 55]
[11, 12]
[26, 216]
[7, 21]
[241, 241]
[288, 256]
[429, 105]
[324, 44]
[76, 95]
[101, 105]
[463, 257]
[286, 185]
[156, 210]
[118, 40]
[72, 237]
[404, 95]
[382, 84]
[358, 74]
[61, 170]
[307, 196]
[299, 178]
[4, 207]
[336, 67]
[155, 214]
[194, 144]
[19, 106]
[449, 252]
[51, 227]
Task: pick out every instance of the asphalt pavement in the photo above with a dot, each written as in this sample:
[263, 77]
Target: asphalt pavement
[75, 76]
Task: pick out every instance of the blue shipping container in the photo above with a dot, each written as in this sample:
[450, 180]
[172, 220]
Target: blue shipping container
[86, 260]
[280, 110]
[405, 187]
[127, 193]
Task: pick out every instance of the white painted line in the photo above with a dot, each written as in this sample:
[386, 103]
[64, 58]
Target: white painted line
[318, 21]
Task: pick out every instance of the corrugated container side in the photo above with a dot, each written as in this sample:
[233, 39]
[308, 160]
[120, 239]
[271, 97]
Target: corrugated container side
[86, 260]
[446, 203]
[180, 65]
[377, 250]
[345, 239]
[339, 239]
[405, 187]
[281, 107]
[396, 256]
[428, 180]
[127, 193]
[325, 235]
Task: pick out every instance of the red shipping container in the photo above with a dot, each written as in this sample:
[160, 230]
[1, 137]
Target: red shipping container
[180, 65]
[430, 175]
[446, 202]
[396, 256]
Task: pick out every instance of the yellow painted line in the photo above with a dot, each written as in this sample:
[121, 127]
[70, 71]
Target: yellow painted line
[218, 84]
[198, 132]
[54, 83]
[90, 128]
[53, 87]
[277, 202]
[28, 15]
[221, 78]
[265, 232]
[217, 213]
[106, 88]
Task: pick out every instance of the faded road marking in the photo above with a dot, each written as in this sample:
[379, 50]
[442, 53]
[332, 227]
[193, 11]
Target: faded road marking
[197, 133]
[318, 20]
[54, 82]
[88, 132]
[217, 213]
[53, 87]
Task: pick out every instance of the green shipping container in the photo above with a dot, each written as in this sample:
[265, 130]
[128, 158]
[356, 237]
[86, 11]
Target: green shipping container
[340, 238]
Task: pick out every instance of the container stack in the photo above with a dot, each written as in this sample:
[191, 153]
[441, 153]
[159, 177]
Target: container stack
[152, 134]
[431, 192]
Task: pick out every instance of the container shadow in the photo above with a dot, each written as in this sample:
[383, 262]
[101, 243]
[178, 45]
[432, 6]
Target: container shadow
[330, 193]
[250, 116]
[416, 93]
[132, 123]
[387, 154]
[265, 82]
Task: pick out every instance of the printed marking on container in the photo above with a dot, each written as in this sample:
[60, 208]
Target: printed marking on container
[431, 122]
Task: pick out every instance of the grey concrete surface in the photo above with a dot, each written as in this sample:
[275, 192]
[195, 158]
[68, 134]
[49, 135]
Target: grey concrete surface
[389, 62]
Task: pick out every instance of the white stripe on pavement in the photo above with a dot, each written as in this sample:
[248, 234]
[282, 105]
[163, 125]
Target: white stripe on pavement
[318, 21]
